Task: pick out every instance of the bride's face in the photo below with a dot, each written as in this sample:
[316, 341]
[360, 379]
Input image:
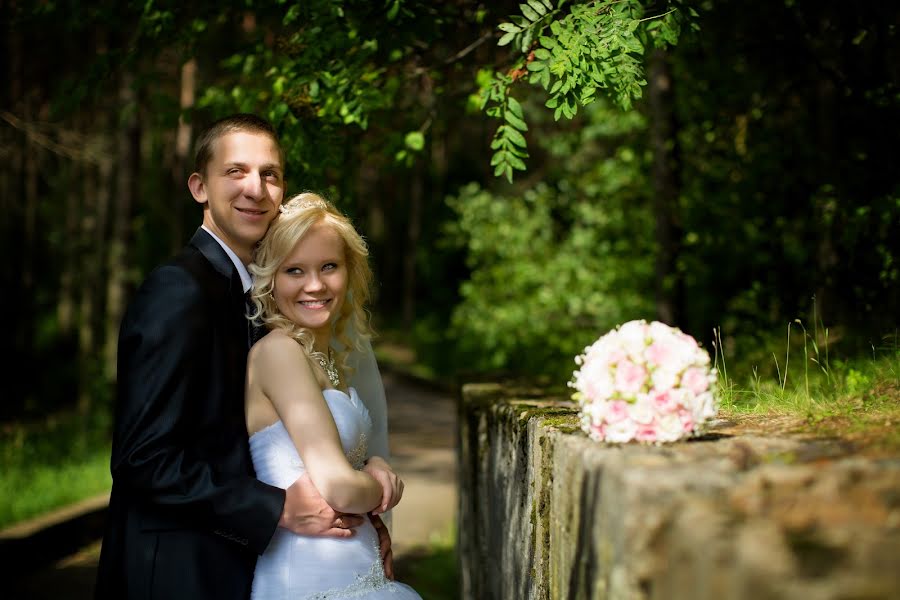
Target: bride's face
[311, 283]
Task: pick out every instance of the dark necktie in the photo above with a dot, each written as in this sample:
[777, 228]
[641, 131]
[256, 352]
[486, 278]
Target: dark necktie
[248, 309]
[254, 331]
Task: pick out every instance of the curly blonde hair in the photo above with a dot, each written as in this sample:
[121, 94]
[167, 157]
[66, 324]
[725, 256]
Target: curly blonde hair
[297, 217]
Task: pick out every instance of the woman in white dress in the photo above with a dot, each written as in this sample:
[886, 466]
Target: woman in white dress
[311, 284]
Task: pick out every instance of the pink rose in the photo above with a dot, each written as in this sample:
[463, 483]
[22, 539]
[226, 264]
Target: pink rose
[665, 402]
[615, 356]
[630, 377]
[694, 380]
[658, 353]
[647, 433]
[687, 421]
[616, 411]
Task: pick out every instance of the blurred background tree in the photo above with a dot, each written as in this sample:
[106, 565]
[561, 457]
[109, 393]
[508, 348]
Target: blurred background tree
[528, 174]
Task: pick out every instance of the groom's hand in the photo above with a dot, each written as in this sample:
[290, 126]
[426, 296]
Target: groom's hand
[306, 512]
[384, 545]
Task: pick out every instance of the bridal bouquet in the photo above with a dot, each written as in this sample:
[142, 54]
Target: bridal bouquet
[646, 382]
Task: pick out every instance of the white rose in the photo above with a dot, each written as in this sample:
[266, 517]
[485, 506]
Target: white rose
[621, 431]
[633, 338]
[670, 428]
[641, 412]
[664, 378]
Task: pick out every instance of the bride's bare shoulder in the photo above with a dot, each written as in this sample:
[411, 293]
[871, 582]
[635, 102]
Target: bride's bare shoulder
[275, 343]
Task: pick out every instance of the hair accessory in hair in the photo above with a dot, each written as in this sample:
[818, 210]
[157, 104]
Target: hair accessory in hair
[301, 202]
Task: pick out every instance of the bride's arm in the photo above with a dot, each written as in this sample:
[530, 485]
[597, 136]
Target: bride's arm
[286, 378]
[391, 484]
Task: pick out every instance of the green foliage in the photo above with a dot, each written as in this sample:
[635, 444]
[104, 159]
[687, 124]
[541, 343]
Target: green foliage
[598, 46]
[555, 265]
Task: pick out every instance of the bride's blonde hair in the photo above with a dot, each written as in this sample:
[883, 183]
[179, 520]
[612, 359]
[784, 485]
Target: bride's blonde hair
[298, 215]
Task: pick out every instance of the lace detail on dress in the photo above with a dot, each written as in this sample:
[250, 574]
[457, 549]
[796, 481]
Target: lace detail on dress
[369, 582]
[357, 457]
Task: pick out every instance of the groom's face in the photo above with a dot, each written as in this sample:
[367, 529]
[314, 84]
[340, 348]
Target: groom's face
[242, 187]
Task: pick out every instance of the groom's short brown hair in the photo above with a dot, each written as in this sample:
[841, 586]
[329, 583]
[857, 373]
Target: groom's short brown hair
[237, 122]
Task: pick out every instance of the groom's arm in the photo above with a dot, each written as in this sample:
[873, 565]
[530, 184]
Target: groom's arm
[384, 545]
[158, 450]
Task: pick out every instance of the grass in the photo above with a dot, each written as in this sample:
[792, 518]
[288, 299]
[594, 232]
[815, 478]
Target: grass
[433, 570]
[52, 463]
[856, 399]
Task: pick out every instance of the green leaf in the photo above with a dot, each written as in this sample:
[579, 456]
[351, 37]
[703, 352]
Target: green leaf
[392, 12]
[552, 102]
[509, 27]
[515, 137]
[278, 86]
[517, 151]
[538, 7]
[291, 15]
[542, 54]
[501, 164]
[529, 12]
[526, 40]
[547, 42]
[545, 78]
[509, 174]
[414, 140]
[515, 162]
[536, 65]
[507, 38]
[497, 158]
[516, 121]
[513, 105]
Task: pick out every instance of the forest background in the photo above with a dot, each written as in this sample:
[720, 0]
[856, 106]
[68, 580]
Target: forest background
[528, 175]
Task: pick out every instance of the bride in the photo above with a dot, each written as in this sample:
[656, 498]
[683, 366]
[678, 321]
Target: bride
[311, 283]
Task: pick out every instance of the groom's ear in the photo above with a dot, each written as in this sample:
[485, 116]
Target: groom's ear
[198, 188]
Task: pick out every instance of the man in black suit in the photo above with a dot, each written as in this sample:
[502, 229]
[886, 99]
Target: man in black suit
[187, 517]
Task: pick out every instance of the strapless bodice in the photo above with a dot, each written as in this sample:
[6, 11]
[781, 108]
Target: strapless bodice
[276, 459]
[296, 567]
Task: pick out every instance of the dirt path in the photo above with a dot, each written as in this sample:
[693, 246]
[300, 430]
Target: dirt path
[422, 425]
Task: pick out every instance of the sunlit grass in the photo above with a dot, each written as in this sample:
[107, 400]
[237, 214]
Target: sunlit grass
[51, 464]
[857, 398]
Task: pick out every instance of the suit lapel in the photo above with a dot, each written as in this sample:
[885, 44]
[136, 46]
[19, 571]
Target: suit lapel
[219, 259]
[221, 262]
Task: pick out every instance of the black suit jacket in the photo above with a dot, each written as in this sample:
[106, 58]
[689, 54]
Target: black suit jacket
[187, 517]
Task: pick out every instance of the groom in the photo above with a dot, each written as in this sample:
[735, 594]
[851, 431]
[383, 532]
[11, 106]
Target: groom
[187, 517]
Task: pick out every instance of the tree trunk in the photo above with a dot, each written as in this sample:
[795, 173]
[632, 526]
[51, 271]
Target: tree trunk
[11, 221]
[413, 232]
[72, 254]
[666, 189]
[825, 210]
[183, 137]
[128, 169]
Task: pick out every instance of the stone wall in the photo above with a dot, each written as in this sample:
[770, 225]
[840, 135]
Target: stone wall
[546, 513]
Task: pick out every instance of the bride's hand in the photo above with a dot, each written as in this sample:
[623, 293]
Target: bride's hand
[391, 484]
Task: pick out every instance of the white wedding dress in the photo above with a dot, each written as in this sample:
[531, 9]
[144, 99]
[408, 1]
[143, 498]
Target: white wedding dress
[296, 567]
